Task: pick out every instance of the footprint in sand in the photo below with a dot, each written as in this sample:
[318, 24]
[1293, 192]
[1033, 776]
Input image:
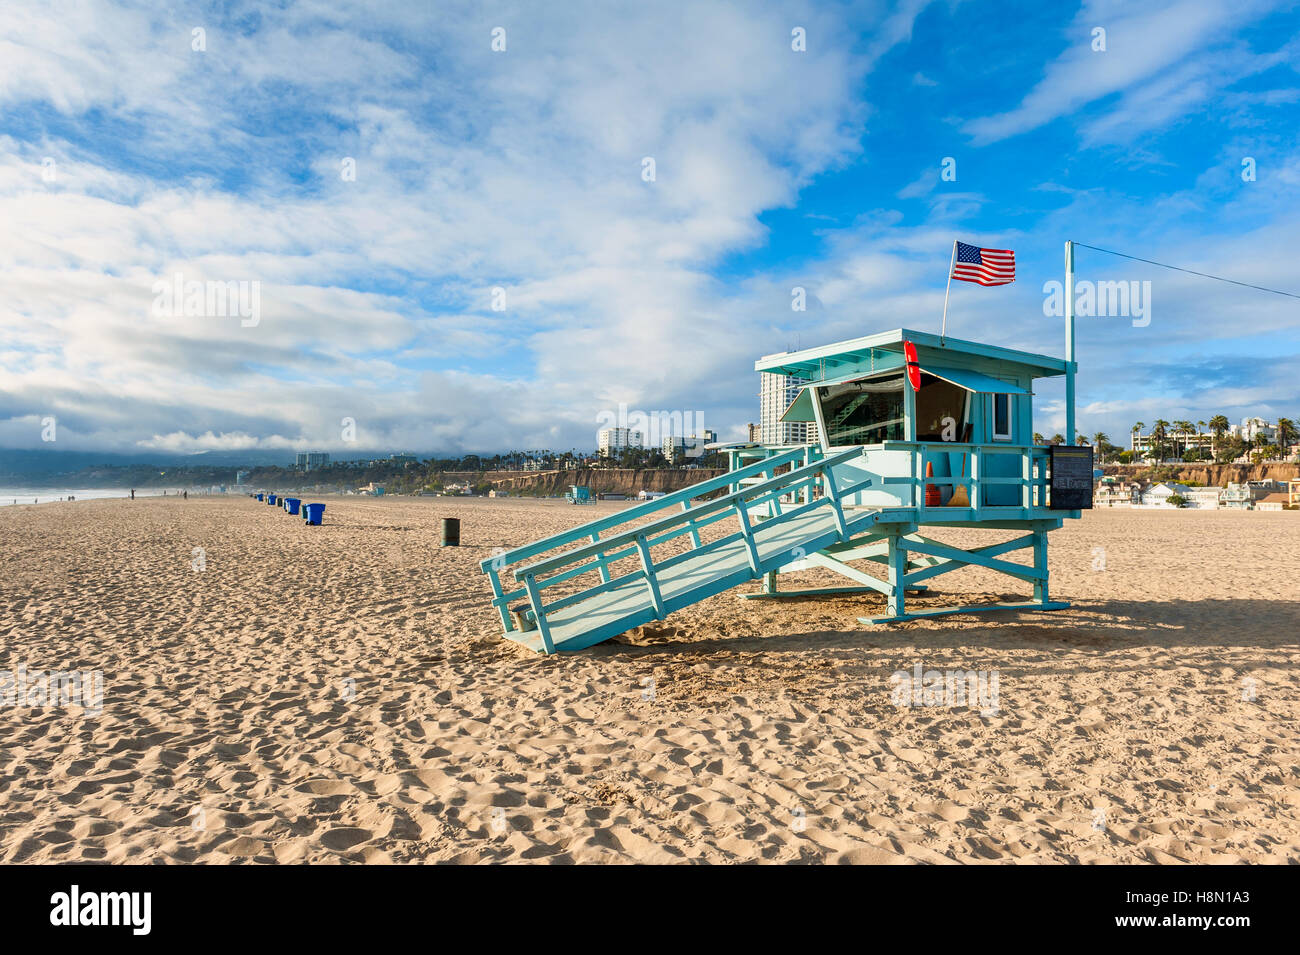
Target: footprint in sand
[345, 838]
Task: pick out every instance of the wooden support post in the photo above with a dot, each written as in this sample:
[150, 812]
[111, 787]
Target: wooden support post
[897, 557]
[498, 593]
[833, 494]
[535, 598]
[600, 556]
[695, 534]
[1040, 565]
[647, 565]
[1027, 476]
[748, 534]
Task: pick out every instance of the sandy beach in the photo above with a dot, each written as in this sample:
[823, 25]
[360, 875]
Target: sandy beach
[342, 694]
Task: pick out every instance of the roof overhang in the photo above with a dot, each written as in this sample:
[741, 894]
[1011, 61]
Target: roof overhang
[973, 380]
[874, 353]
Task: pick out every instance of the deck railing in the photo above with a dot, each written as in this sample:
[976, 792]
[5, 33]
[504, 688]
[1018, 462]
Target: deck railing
[753, 494]
[1032, 481]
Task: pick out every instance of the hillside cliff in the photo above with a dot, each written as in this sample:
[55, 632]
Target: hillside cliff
[604, 480]
[1207, 475]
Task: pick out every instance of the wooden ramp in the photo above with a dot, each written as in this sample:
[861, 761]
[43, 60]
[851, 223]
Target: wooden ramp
[702, 574]
[780, 518]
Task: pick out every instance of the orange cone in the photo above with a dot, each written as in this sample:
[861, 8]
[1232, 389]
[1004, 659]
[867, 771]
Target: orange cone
[932, 498]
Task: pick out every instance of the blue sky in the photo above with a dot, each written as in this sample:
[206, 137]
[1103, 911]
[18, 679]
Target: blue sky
[128, 156]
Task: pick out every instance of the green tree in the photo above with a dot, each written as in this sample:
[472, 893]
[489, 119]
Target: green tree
[1286, 432]
[1218, 427]
[1101, 443]
[1184, 430]
[1160, 439]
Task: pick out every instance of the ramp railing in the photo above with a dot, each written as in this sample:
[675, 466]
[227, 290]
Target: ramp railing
[619, 536]
[496, 566]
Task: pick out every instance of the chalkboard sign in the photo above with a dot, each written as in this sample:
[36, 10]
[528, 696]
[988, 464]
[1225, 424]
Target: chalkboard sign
[1071, 482]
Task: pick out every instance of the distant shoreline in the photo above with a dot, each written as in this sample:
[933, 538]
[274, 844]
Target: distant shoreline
[18, 496]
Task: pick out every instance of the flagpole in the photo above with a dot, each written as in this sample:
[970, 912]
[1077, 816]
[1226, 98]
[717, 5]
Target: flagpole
[944, 328]
[1070, 435]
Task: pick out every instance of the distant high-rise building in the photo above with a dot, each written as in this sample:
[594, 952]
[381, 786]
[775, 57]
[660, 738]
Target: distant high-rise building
[310, 460]
[755, 434]
[612, 440]
[692, 446]
[403, 457]
[776, 394]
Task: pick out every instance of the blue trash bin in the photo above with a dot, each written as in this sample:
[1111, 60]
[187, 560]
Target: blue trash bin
[260, 496]
[270, 499]
[291, 504]
[313, 513]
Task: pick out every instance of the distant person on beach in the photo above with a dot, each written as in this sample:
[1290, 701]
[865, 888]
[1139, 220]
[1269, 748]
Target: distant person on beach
[133, 494]
[185, 494]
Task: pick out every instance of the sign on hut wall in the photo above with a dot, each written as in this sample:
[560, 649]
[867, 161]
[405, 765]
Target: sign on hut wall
[1071, 481]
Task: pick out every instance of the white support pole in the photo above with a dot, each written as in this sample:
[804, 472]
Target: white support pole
[943, 329]
[1069, 343]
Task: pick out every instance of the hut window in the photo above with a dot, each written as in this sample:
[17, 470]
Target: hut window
[863, 412]
[1001, 417]
[937, 400]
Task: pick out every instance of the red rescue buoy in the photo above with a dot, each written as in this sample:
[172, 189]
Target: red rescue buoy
[913, 367]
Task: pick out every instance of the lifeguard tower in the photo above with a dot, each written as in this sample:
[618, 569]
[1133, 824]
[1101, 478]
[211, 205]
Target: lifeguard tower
[915, 431]
[579, 494]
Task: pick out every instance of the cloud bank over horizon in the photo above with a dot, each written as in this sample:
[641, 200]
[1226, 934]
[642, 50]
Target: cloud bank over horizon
[456, 247]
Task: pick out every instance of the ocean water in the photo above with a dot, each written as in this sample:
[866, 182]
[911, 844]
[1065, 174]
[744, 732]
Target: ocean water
[9, 496]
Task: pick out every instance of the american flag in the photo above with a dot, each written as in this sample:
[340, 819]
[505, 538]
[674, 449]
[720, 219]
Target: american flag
[985, 266]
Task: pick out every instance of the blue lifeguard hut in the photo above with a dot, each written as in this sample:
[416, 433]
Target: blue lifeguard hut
[913, 432]
[579, 494]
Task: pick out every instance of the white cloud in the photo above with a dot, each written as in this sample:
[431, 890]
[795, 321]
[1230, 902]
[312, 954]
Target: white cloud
[1161, 60]
[474, 170]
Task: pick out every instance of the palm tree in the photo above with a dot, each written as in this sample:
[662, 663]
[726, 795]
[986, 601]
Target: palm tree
[1286, 433]
[1218, 427]
[1159, 432]
[1057, 438]
[1185, 429]
[1099, 441]
[1038, 438]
